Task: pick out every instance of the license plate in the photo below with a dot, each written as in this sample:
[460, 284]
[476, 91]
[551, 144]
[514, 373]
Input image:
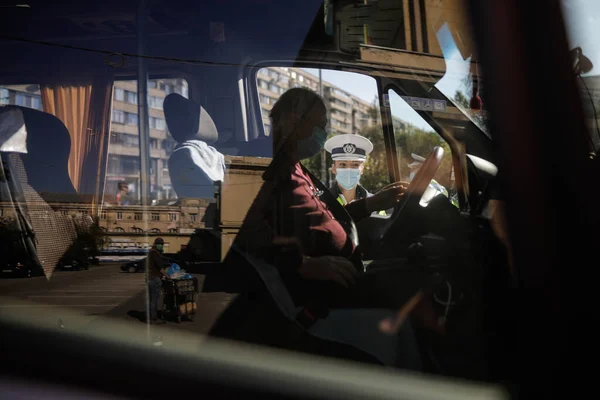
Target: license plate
[7, 270]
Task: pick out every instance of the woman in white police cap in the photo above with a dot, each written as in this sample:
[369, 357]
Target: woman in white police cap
[349, 153]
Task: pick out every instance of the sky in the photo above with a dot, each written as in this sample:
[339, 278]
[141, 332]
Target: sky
[457, 68]
[365, 88]
[582, 18]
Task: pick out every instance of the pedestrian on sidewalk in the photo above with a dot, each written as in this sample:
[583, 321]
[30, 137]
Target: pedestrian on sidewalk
[156, 273]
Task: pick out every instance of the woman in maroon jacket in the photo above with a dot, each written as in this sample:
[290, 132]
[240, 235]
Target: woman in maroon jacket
[305, 240]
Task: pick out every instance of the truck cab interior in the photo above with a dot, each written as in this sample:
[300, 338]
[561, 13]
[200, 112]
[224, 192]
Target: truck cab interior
[410, 72]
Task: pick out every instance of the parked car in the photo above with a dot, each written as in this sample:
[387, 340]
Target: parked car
[134, 266]
[20, 269]
[72, 263]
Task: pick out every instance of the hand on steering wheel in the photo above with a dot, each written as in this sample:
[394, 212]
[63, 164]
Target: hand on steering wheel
[387, 197]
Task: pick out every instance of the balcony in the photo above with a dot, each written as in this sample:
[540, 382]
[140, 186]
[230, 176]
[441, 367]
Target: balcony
[123, 150]
[337, 106]
[335, 95]
[158, 153]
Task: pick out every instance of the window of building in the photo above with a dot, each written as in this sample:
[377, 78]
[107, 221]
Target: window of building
[4, 96]
[155, 102]
[135, 229]
[293, 75]
[157, 123]
[172, 217]
[172, 230]
[129, 164]
[301, 78]
[119, 94]
[102, 214]
[155, 217]
[118, 116]
[131, 97]
[193, 218]
[21, 100]
[28, 100]
[265, 99]
[154, 230]
[132, 119]
[263, 84]
[21, 95]
[119, 215]
[274, 88]
[138, 216]
[119, 229]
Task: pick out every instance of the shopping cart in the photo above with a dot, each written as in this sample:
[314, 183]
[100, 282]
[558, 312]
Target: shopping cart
[180, 298]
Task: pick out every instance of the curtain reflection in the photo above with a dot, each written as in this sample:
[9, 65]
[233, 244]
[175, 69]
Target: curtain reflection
[84, 108]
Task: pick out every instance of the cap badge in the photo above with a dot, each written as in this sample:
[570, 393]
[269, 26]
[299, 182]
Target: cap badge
[349, 148]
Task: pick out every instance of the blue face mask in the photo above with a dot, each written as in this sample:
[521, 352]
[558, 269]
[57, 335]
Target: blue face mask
[348, 177]
[311, 146]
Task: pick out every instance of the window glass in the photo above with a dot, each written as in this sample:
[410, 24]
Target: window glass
[347, 96]
[131, 97]
[415, 139]
[132, 119]
[119, 94]
[21, 95]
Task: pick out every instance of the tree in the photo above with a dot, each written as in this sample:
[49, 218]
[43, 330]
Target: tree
[413, 140]
[374, 110]
[376, 174]
[461, 99]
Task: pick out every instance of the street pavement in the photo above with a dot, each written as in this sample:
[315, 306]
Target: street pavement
[80, 300]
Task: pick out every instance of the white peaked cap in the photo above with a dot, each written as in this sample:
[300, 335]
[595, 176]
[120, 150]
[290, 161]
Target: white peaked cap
[349, 146]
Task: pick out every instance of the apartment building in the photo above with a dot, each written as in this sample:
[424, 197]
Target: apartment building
[347, 113]
[123, 152]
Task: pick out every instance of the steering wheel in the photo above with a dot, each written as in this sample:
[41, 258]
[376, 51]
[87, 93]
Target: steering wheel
[417, 187]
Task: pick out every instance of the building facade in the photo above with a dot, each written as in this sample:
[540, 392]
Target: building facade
[347, 113]
[124, 152]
